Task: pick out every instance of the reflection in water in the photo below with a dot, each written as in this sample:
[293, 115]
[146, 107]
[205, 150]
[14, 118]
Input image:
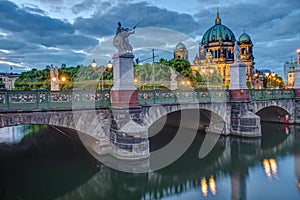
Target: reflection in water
[60, 168]
[204, 187]
[267, 168]
[270, 167]
[211, 184]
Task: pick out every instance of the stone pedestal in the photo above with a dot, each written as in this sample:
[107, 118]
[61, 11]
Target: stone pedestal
[243, 121]
[238, 88]
[239, 95]
[173, 82]
[129, 139]
[123, 93]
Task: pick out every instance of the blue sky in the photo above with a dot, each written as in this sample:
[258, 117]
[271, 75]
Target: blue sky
[72, 31]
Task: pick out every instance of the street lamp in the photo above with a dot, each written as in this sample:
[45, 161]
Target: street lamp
[267, 77]
[101, 71]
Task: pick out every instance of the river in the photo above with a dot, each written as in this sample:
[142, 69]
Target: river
[39, 162]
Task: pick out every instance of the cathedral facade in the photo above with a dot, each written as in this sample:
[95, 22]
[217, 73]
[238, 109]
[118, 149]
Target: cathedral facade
[217, 49]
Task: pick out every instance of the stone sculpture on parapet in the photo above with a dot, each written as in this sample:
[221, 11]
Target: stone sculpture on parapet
[237, 56]
[121, 41]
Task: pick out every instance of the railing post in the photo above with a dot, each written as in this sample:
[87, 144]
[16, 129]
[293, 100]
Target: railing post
[7, 99]
[47, 99]
[37, 98]
[102, 93]
[154, 97]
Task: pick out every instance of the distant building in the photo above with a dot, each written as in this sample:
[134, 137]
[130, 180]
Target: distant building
[258, 78]
[181, 51]
[9, 80]
[216, 49]
[289, 69]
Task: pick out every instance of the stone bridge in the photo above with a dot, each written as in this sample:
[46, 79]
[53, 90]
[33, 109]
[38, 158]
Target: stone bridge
[123, 131]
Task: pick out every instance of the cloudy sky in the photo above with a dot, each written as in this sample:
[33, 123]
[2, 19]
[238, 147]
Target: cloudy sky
[75, 31]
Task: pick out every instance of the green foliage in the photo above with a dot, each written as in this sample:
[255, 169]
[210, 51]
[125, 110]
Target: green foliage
[249, 85]
[144, 73]
[162, 72]
[84, 77]
[273, 81]
[33, 80]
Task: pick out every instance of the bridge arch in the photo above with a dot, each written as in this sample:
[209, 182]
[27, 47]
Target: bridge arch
[89, 122]
[275, 110]
[215, 113]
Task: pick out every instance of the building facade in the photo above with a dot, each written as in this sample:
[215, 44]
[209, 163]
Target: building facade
[217, 49]
[181, 51]
[9, 79]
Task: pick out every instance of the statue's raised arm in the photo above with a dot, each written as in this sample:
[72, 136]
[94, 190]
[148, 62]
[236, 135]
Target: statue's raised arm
[121, 41]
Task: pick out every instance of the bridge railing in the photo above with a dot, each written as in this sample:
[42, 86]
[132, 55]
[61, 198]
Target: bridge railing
[271, 94]
[28, 100]
[182, 96]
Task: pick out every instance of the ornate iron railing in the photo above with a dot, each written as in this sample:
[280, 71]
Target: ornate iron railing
[29, 100]
[182, 96]
[271, 94]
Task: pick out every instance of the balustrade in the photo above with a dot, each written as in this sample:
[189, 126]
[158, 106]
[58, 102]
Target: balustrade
[42, 99]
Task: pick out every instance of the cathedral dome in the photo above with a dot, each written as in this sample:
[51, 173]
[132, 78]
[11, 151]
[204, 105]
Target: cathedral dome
[244, 38]
[180, 46]
[217, 33]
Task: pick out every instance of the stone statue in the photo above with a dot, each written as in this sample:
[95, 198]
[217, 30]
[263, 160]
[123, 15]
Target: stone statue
[209, 57]
[237, 56]
[121, 41]
[53, 72]
[173, 75]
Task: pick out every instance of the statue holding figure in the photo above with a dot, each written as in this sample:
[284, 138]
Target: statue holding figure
[121, 41]
[237, 56]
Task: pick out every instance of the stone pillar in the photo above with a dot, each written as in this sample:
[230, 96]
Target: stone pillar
[243, 121]
[54, 81]
[173, 82]
[297, 82]
[129, 139]
[123, 93]
[297, 76]
[238, 89]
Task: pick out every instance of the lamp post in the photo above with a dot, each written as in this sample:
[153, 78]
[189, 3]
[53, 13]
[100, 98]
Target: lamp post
[101, 71]
[267, 77]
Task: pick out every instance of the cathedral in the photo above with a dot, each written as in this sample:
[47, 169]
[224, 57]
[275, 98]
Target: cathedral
[216, 49]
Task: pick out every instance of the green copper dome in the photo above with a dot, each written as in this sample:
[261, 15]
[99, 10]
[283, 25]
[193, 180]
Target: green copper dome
[180, 45]
[217, 33]
[244, 38]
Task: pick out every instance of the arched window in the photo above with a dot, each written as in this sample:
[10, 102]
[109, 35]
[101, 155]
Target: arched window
[226, 37]
[244, 51]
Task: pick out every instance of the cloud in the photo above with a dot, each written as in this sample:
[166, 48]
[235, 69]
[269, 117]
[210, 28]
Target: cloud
[272, 25]
[36, 35]
[84, 6]
[19, 20]
[104, 24]
[33, 9]
[51, 1]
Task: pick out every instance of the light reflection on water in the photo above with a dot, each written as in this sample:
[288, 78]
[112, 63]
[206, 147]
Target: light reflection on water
[54, 167]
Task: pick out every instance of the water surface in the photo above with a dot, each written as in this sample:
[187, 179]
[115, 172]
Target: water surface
[39, 162]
